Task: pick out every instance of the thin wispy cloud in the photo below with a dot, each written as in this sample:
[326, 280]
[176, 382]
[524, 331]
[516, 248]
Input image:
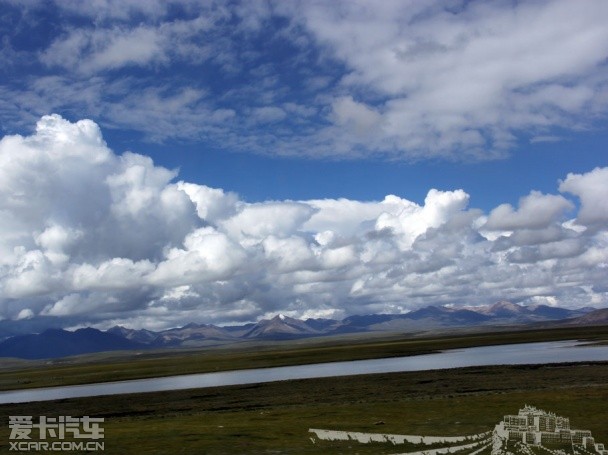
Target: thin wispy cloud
[401, 80]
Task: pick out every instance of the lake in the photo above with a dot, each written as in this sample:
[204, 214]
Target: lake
[512, 354]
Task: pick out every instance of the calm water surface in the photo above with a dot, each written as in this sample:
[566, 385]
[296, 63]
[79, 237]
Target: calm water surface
[514, 354]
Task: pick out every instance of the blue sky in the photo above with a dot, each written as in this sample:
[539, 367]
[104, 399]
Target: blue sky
[165, 161]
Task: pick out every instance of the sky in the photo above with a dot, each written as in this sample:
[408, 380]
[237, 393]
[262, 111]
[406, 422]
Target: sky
[173, 161]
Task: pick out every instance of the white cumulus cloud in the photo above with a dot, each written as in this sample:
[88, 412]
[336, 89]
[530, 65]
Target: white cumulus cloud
[592, 189]
[92, 237]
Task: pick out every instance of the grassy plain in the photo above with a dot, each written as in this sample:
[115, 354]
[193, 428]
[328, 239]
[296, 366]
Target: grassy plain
[275, 417]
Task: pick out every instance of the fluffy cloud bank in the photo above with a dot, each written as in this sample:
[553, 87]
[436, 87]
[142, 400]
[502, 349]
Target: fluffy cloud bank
[99, 238]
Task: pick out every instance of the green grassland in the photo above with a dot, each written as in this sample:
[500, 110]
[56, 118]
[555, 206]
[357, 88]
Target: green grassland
[275, 417]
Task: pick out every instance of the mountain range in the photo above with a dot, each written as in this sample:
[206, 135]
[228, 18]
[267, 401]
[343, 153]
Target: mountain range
[54, 343]
[62, 343]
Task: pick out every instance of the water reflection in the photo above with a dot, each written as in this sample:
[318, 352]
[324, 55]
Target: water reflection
[515, 354]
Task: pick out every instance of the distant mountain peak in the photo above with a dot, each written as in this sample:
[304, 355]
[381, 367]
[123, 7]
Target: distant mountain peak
[506, 305]
[503, 308]
[192, 325]
[595, 317]
[59, 342]
[280, 326]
